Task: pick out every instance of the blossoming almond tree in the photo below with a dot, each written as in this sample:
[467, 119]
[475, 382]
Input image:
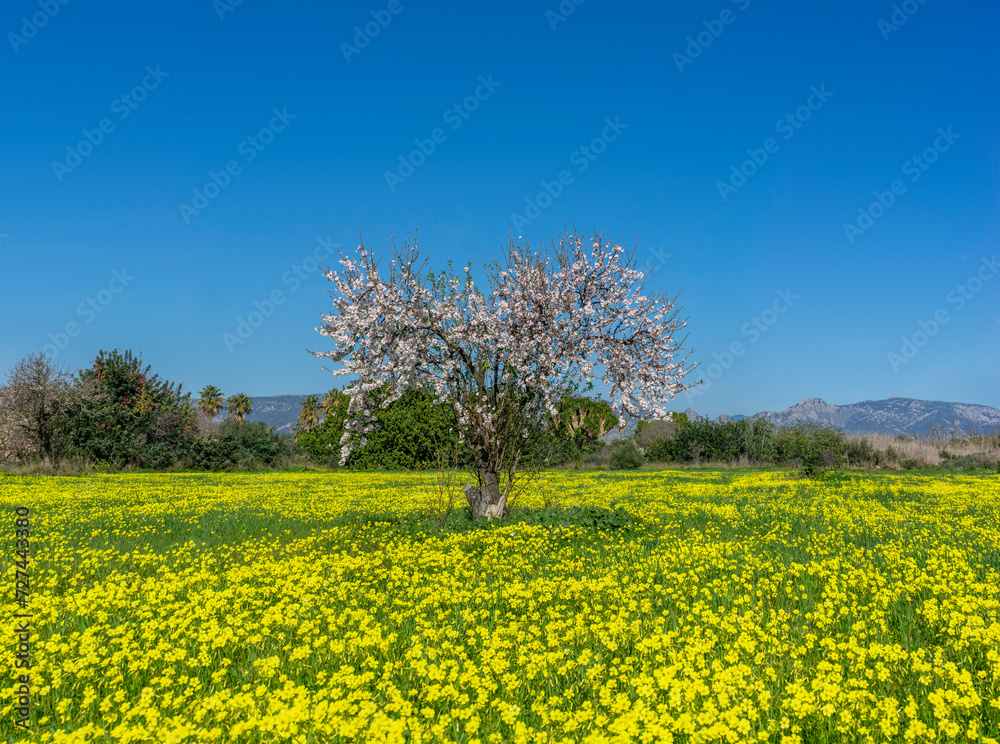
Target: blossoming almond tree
[550, 321]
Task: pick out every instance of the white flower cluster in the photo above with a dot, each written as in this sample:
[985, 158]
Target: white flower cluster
[549, 320]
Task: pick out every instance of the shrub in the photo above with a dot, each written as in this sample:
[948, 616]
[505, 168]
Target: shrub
[647, 433]
[970, 462]
[815, 447]
[126, 416]
[759, 439]
[408, 435]
[691, 441]
[625, 455]
[241, 444]
[159, 456]
[860, 452]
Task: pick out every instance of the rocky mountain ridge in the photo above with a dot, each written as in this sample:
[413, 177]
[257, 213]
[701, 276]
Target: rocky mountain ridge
[279, 411]
[893, 416]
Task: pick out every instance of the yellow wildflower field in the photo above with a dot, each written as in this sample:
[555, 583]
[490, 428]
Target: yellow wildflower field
[728, 606]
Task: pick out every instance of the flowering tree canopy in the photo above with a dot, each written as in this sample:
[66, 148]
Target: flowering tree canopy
[551, 321]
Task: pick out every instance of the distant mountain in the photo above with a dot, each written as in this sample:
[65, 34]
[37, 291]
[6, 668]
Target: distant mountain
[279, 411]
[891, 416]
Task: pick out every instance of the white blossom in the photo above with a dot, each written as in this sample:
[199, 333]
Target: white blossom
[549, 321]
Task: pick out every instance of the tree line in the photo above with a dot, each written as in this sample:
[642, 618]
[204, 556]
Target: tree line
[117, 413]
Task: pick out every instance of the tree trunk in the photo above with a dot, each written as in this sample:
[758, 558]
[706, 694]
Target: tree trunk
[487, 501]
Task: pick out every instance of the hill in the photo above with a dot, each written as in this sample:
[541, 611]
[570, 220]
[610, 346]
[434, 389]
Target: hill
[279, 411]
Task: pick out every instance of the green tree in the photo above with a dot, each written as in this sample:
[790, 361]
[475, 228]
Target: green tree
[309, 415]
[331, 399]
[816, 447]
[580, 422]
[625, 455]
[241, 444]
[410, 434]
[211, 401]
[125, 414]
[239, 406]
[648, 432]
[322, 443]
[685, 440]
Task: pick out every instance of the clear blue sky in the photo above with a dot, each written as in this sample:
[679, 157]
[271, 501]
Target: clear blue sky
[180, 92]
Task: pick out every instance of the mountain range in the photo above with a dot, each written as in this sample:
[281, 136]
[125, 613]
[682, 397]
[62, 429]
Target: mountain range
[892, 416]
[279, 411]
[889, 416]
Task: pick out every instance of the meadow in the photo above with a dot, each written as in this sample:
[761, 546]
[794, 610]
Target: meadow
[648, 606]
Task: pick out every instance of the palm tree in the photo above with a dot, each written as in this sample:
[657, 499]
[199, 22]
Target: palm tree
[211, 401]
[309, 416]
[330, 399]
[240, 406]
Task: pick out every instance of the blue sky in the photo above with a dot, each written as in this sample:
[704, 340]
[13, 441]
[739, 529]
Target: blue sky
[742, 145]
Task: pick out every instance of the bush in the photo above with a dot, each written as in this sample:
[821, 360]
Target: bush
[647, 433]
[860, 452]
[241, 444]
[971, 462]
[625, 455]
[160, 456]
[691, 441]
[124, 415]
[409, 434]
[815, 447]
